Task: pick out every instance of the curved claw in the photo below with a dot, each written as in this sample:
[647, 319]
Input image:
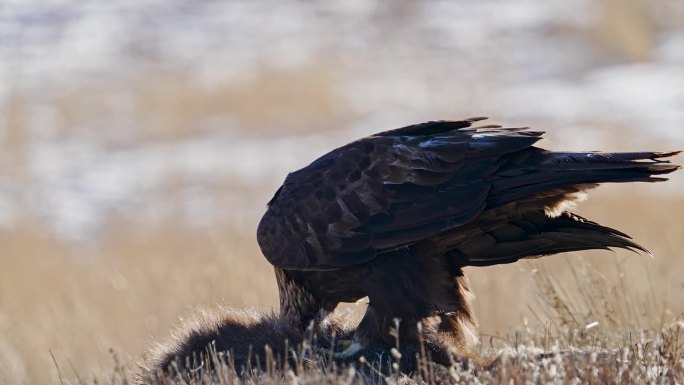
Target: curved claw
[343, 345]
[350, 352]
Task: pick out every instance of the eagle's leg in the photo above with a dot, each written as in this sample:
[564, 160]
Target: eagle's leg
[394, 309]
[370, 330]
[382, 327]
[368, 333]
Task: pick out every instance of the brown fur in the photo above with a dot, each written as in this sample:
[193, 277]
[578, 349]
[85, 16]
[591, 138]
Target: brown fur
[246, 339]
[240, 337]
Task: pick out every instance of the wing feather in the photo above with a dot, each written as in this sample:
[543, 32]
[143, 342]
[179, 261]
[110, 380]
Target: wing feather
[441, 181]
[383, 192]
[536, 234]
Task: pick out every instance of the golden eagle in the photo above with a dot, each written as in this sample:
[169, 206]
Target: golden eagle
[397, 215]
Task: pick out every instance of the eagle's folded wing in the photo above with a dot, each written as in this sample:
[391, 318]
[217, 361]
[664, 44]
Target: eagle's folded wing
[385, 191]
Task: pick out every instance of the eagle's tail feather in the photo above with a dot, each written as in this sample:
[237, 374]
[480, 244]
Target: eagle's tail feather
[549, 170]
[537, 235]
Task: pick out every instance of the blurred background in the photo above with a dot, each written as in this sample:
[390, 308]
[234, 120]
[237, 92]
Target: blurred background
[140, 141]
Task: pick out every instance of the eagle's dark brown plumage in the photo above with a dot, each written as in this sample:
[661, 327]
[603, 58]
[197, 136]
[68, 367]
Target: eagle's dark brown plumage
[396, 216]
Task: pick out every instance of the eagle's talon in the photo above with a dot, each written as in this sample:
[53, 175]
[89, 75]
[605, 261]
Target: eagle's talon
[350, 352]
[344, 344]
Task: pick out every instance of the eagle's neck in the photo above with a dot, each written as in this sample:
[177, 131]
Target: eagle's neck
[298, 307]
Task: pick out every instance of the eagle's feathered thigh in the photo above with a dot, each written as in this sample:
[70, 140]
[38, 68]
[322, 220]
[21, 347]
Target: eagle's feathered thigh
[397, 215]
